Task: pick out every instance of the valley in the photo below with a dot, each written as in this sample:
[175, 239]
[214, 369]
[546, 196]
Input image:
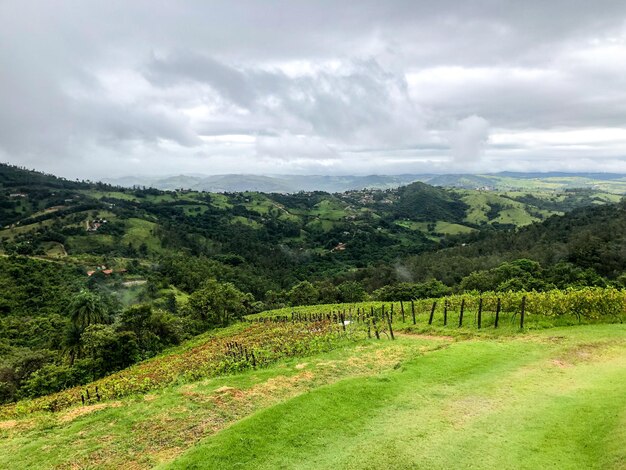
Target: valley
[364, 329]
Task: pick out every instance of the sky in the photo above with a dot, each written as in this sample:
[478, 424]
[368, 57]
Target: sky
[95, 89]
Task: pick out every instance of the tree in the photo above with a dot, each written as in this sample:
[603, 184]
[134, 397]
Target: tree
[352, 291]
[217, 303]
[328, 293]
[73, 345]
[110, 350]
[87, 309]
[303, 293]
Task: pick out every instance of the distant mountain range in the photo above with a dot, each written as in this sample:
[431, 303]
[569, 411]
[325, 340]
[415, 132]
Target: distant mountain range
[611, 182]
[270, 184]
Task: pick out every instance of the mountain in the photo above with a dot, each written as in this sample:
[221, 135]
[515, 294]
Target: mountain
[268, 184]
[263, 240]
[504, 181]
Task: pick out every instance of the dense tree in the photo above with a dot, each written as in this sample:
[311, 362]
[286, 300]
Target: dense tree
[352, 291]
[217, 303]
[87, 308]
[303, 293]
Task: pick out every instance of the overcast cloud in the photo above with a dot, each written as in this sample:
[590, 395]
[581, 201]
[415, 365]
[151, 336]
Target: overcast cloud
[110, 88]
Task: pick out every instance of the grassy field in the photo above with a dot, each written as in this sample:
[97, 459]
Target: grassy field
[140, 231]
[545, 399]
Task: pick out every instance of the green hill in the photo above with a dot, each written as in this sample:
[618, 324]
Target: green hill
[142, 327]
[435, 400]
[160, 256]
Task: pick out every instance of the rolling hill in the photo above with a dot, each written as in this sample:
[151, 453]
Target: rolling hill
[135, 330]
[505, 181]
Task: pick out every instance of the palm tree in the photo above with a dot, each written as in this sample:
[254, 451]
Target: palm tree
[73, 344]
[86, 309]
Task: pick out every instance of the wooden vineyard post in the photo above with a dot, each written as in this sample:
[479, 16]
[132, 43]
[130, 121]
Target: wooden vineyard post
[445, 312]
[382, 312]
[413, 311]
[432, 313]
[521, 318]
[391, 312]
[343, 320]
[498, 307]
[461, 314]
[390, 327]
[480, 312]
[373, 321]
[402, 310]
[375, 328]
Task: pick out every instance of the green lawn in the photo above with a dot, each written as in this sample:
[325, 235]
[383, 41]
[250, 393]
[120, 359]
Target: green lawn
[552, 401]
[544, 399]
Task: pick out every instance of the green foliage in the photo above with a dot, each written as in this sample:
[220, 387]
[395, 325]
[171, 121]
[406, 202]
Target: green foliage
[412, 291]
[217, 303]
[421, 202]
[87, 308]
[351, 291]
[297, 249]
[269, 342]
[303, 293]
[110, 349]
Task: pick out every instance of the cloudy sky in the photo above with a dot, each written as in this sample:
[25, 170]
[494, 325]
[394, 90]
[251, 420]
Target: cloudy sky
[111, 88]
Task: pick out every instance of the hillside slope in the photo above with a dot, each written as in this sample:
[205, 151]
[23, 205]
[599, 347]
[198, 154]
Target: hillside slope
[417, 402]
[588, 238]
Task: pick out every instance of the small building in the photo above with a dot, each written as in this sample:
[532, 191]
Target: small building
[340, 247]
[94, 225]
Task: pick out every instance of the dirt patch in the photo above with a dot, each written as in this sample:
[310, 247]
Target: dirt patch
[588, 352]
[167, 454]
[301, 366]
[424, 336]
[228, 392]
[150, 397]
[466, 409]
[560, 364]
[327, 364]
[74, 413]
[8, 424]
[281, 385]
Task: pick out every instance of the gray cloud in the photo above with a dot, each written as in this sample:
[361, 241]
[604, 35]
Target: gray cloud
[468, 140]
[92, 87]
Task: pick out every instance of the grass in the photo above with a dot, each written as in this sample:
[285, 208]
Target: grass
[449, 228]
[206, 356]
[537, 403]
[54, 249]
[140, 231]
[545, 399]
[141, 431]
[238, 219]
[512, 212]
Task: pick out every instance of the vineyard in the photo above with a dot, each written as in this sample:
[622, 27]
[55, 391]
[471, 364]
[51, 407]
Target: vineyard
[233, 350]
[442, 381]
[270, 336]
[506, 311]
